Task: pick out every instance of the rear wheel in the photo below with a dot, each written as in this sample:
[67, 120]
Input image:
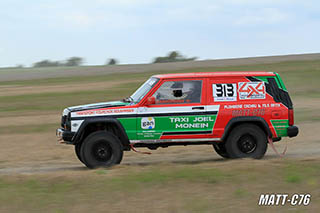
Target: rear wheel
[246, 141]
[101, 149]
[221, 150]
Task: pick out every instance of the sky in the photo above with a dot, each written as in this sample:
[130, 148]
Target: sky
[136, 31]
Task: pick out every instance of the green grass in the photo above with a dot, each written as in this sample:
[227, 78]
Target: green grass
[294, 73]
[297, 173]
[57, 101]
[39, 193]
[156, 176]
[22, 129]
[306, 115]
[240, 192]
[71, 80]
[195, 188]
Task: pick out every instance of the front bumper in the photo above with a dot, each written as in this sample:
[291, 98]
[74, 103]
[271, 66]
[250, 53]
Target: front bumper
[64, 135]
[292, 131]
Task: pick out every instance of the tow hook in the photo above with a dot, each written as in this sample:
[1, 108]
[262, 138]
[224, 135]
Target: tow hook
[137, 151]
[274, 148]
[61, 141]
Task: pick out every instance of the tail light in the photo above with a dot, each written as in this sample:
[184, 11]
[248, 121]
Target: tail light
[291, 117]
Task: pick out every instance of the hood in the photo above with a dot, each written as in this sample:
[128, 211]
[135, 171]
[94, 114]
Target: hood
[97, 106]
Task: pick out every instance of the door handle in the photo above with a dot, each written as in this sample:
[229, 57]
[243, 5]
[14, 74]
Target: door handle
[193, 108]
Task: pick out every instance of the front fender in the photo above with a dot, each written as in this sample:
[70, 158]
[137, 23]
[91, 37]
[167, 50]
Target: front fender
[121, 133]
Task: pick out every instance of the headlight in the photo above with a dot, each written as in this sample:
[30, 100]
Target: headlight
[66, 119]
[65, 112]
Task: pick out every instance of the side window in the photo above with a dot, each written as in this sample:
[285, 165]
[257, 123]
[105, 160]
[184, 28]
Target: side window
[177, 92]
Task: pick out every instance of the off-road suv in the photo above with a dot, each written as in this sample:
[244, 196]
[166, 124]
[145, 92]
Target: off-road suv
[236, 112]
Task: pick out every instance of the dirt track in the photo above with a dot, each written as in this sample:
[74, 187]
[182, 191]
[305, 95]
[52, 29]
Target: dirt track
[22, 90]
[53, 157]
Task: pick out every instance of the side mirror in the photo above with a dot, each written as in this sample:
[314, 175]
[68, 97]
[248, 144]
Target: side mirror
[151, 100]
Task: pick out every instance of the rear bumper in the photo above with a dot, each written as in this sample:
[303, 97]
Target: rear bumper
[292, 131]
[65, 135]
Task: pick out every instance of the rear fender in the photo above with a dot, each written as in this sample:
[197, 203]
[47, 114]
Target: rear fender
[246, 119]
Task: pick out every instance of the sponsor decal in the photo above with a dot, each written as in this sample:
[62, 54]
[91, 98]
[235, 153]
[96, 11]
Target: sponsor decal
[192, 123]
[252, 90]
[280, 126]
[244, 106]
[224, 92]
[105, 111]
[148, 123]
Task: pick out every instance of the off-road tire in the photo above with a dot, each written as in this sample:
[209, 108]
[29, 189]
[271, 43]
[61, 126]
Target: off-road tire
[101, 149]
[77, 149]
[221, 149]
[246, 141]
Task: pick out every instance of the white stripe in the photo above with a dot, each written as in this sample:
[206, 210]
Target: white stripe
[147, 110]
[104, 112]
[213, 107]
[143, 110]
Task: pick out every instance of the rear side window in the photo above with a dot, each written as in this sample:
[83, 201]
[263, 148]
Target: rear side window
[177, 92]
[272, 88]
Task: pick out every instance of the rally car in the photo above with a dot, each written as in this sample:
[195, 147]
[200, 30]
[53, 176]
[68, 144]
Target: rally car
[237, 113]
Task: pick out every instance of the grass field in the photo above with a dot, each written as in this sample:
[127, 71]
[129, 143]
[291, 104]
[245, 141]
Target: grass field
[204, 187]
[37, 174]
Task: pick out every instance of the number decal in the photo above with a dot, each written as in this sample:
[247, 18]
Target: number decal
[224, 92]
[219, 90]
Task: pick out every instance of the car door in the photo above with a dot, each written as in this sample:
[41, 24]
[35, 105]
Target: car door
[179, 112]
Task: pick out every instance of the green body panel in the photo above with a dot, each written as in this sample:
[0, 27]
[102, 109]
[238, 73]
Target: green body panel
[277, 78]
[130, 126]
[265, 79]
[151, 128]
[281, 127]
[281, 82]
[173, 124]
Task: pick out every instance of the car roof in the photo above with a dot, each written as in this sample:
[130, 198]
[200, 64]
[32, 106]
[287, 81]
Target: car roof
[214, 74]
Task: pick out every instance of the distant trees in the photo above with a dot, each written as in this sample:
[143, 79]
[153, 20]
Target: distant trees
[19, 66]
[112, 61]
[173, 56]
[46, 63]
[73, 61]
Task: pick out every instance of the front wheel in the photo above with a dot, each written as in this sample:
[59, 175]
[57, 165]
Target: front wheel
[101, 149]
[77, 149]
[220, 149]
[246, 141]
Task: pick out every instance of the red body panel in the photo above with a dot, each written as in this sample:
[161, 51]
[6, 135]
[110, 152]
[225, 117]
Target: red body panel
[228, 109]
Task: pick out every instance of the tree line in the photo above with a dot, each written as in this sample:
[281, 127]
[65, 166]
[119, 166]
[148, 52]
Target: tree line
[173, 56]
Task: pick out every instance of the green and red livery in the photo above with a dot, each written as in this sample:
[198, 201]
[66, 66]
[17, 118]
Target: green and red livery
[236, 112]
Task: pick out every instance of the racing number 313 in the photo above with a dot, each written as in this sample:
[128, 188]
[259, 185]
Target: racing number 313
[224, 90]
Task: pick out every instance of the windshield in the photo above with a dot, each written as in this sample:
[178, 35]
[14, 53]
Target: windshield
[143, 90]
